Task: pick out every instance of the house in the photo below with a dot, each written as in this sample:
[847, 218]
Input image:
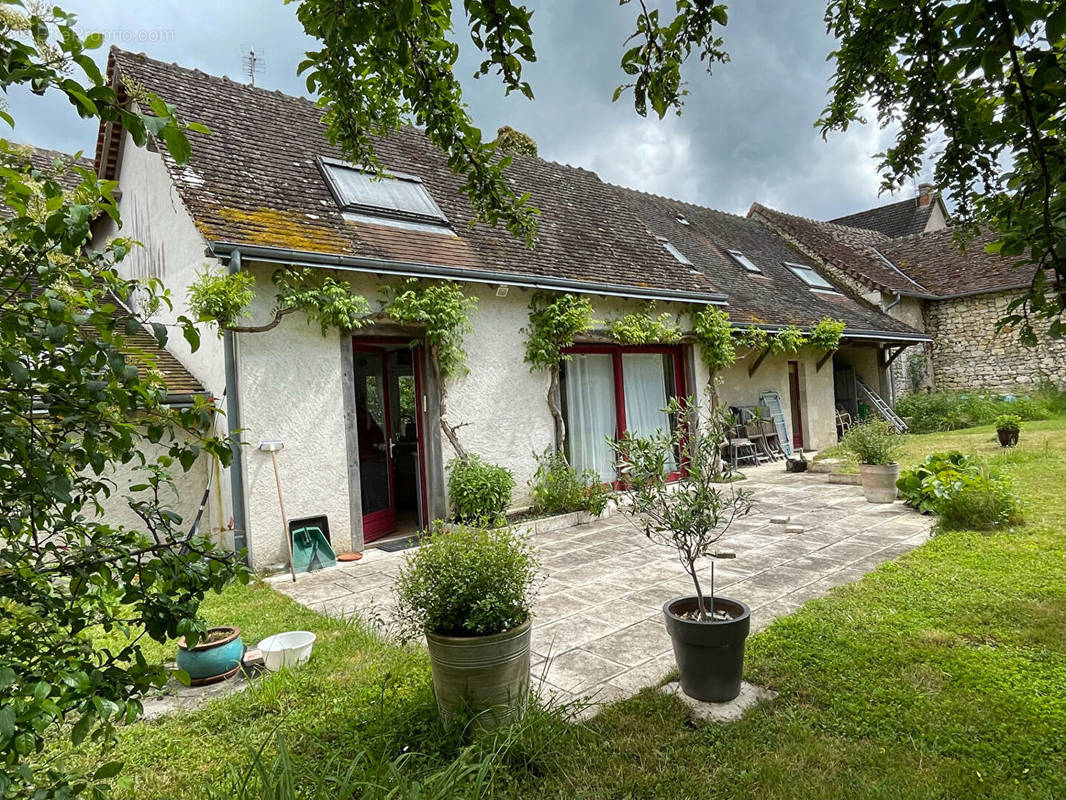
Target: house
[357, 411]
[902, 258]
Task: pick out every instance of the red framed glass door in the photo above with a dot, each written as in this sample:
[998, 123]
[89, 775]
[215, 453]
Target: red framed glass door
[374, 432]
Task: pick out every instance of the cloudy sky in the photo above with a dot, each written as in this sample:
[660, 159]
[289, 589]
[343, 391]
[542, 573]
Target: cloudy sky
[747, 131]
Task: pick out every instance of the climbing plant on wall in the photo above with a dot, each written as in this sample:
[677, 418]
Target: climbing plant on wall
[788, 340]
[223, 299]
[751, 338]
[826, 334]
[443, 311]
[641, 327]
[714, 340]
[555, 320]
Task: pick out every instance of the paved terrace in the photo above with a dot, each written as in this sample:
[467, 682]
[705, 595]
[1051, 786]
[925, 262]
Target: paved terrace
[598, 629]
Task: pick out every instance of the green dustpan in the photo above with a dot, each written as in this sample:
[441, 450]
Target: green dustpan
[310, 550]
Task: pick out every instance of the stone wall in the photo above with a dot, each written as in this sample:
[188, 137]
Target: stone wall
[969, 354]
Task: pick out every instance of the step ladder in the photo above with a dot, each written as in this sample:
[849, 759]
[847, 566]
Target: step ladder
[772, 401]
[882, 408]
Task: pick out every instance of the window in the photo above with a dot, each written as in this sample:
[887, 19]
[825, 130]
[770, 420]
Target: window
[673, 250]
[682, 219]
[744, 261]
[396, 195]
[810, 277]
[608, 390]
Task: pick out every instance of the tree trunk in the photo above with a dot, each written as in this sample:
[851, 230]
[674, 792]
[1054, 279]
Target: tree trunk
[699, 593]
[712, 390]
[553, 406]
[450, 431]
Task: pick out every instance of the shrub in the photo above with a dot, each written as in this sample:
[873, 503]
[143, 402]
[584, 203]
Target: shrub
[479, 491]
[935, 478]
[1008, 422]
[965, 494]
[468, 582]
[873, 442]
[557, 488]
[949, 411]
[982, 501]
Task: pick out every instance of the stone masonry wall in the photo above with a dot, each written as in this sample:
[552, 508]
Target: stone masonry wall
[969, 354]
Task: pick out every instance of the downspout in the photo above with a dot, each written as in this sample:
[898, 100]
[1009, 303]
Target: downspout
[893, 304]
[233, 417]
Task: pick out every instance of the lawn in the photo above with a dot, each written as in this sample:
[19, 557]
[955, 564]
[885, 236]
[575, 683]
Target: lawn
[940, 675]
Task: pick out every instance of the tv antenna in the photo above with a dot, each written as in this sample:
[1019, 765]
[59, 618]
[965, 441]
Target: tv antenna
[253, 65]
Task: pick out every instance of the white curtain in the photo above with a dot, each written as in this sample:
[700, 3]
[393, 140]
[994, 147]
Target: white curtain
[590, 413]
[644, 379]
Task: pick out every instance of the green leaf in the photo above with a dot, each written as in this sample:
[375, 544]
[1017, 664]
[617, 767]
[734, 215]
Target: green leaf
[108, 770]
[7, 722]
[81, 728]
[93, 41]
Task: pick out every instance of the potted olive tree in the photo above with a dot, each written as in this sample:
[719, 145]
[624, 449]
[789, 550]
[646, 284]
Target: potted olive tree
[471, 591]
[875, 444]
[1007, 429]
[708, 631]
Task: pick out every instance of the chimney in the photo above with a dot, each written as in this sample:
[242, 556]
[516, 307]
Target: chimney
[926, 194]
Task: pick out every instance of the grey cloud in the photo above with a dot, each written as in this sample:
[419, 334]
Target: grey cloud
[747, 132]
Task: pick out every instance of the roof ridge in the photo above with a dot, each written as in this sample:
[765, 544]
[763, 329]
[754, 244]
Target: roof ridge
[655, 196]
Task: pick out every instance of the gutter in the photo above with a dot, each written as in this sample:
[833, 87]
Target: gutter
[233, 418]
[304, 258]
[859, 333]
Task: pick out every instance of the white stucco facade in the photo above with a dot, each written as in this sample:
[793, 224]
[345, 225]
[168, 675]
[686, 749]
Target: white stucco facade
[293, 384]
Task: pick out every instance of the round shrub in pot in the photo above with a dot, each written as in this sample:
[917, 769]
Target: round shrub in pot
[471, 591]
[1007, 429]
[708, 631]
[875, 444]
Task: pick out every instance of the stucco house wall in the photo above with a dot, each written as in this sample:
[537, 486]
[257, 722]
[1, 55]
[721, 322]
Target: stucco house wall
[969, 354]
[172, 250]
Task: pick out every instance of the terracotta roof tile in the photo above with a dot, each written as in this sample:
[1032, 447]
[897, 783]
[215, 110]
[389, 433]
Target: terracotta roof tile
[255, 180]
[776, 296]
[903, 218]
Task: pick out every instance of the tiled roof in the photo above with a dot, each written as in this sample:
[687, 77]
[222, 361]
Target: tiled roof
[44, 160]
[934, 261]
[851, 250]
[904, 218]
[927, 265]
[255, 181]
[776, 296]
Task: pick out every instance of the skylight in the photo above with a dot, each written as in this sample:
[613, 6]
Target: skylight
[744, 261]
[682, 219]
[810, 277]
[673, 250]
[397, 196]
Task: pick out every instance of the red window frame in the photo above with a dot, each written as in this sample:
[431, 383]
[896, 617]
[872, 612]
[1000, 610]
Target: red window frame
[616, 351]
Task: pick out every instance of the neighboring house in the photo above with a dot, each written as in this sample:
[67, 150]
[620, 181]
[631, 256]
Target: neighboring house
[902, 258]
[357, 412]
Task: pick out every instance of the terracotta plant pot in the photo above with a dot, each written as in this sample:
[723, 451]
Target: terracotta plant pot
[879, 482]
[485, 676]
[1007, 438]
[210, 662]
[709, 655]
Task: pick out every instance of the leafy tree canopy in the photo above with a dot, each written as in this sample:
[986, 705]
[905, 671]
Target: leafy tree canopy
[79, 401]
[977, 88]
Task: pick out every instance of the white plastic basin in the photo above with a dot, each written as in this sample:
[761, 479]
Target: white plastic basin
[286, 649]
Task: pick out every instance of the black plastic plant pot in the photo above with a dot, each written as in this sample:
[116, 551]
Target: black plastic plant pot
[709, 655]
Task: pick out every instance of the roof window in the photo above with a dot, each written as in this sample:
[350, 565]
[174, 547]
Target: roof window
[744, 261]
[396, 195]
[682, 219]
[811, 278]
[673, 250]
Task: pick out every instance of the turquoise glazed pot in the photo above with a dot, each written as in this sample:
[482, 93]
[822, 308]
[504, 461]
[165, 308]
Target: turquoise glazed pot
[212, 661]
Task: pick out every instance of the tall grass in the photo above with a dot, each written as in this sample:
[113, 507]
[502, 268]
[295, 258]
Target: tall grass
[948, 411]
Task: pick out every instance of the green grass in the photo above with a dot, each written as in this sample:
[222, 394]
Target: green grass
[940, 675]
